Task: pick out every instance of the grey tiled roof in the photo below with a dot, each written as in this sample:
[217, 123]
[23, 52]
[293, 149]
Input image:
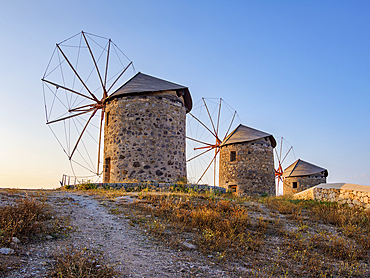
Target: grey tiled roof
[303, 168]
[246, 134]
[142, 83]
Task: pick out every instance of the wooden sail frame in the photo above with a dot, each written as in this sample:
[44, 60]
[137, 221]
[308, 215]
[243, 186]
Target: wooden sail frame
[92, 102]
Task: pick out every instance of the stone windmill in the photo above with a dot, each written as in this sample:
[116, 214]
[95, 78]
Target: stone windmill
[143, 121]
[144, 134]
[247, 162]
[302, 175]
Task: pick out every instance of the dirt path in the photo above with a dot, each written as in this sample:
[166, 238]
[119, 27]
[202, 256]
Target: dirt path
[134, 253]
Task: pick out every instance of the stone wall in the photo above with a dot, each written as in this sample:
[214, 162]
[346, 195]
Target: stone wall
[252, 171]
[303, 183]
[351, 194]
[144, 139]
[155, 186]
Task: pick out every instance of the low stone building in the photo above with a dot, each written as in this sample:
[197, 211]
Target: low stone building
[144, 134]
[353, 195]
[247, 162]
[302, 175]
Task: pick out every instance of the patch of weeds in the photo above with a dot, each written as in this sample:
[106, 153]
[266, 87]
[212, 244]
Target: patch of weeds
[72, 263]
[27, 218]
[262, 225]
[180, 187]
[341, 248]
[115, 211]
[302, 227]
[337, 247]
[284, 206]
[363, 239]
[221, 226]
[264, 195]
[86, 186]
[353, 269]
[310, 239]
[156, 227]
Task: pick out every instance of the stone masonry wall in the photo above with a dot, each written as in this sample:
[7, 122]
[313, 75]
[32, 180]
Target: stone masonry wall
[303, 183]
[154, 186]
[252, 171]
[342, 196]
[144, 139]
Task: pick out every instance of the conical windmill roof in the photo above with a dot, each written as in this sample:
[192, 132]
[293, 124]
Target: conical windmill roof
[143, 83]
[303, 168]
[247, 134]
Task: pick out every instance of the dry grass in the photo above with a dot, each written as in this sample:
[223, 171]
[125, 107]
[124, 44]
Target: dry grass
[73, 263]
[8, 263]
[270, 237]
[30, 219]
[27, 218]
[280, 237]
[354, 222]
[220, 226]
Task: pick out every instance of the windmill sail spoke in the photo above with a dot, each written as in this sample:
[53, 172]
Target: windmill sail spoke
[78, 76]
[87, 163]
[93, 58]
[287, 153]
[227, 132]
[202, 124]
[198, 155]
[74, 161]
[209, 165]
[75, 84]
[218, 116]
[192, 139]
[79, 138]
[100, 132]
[206, 147]
[55, 97]
[209, 120]
[281, 148]
[209, 115]
[106, 70]
[65, 118]
[65, 88]
[281, 156]
[277, 156]
[82, 108]
[119, 77]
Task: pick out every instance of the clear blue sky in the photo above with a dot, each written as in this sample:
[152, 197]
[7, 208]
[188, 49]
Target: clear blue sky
[298, 69]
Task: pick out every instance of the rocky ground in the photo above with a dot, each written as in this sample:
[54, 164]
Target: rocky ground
[132, 251]
[295, 239]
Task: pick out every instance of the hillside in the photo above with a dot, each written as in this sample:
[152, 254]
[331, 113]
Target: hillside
[183, 234]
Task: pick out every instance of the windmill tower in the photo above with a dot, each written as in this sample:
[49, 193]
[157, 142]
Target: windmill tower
[143, 121]
[144, 133]
[247, 162]
[302, 175]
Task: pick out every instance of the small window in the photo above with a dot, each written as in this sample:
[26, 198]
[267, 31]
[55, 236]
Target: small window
[107, 170]
[107, 119]
[233, 188]
[295, 184]
[232, 155]
[107, 164]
